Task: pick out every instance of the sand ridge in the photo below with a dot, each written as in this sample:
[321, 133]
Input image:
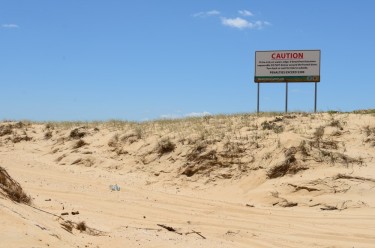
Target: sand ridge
[296, 180]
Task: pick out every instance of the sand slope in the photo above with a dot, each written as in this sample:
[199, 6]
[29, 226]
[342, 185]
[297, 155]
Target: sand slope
[293, 180]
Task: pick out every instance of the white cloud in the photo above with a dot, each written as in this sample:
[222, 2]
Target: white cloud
[236, 22]
[178, 116]
[9, 25]
[207, 13]
[245, 13]
[195, 114]
[241, 23]
[169, 116]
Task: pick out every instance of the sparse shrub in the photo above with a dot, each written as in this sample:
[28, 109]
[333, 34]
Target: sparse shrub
[272, 126]
[198, 148]
[67, 225]
[331, 112]
[336, 157]
[139, 132]
[364, 111]
[302, 148]
[16, 138]
[289, 166]
[48, 135]
[268, 155]
[369, 131]
[79, 144]
[233, 148]
[318, 134]
[336, 123]
[81, 226]
[12, 189]
[77, 133]
[131, 136]
[5, 130]
[114, 140]
[165, 146]
[50, 126]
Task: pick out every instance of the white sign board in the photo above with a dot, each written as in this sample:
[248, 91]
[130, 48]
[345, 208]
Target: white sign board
[287, 66]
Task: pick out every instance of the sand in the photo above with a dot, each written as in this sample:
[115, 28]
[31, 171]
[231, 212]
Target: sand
[297, 180]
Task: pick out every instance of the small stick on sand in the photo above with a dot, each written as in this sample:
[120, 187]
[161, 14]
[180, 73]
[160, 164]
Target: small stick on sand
[198, 233]
[171, 229]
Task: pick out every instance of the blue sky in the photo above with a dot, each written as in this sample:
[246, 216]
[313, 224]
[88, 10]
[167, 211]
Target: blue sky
[141, 60]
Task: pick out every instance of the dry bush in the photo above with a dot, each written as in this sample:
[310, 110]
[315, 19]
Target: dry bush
[67, 226]
[114, 140]
[18, 138]
[271, 125]
[196, 150]
[49, 126]
[60, 158]
[319, 133]
[369, 130]
[370, 135]
[336, 157]
[79, 144]
[365, 111]
[48, 135]
[12, 189]
[77, 133]
[131, 136]
[200, 160]
[81, 226]
[332, 112]
[165, 146]
[336, 123]
[5, 130]
[303, 148]
[289, 166]
[232, 149]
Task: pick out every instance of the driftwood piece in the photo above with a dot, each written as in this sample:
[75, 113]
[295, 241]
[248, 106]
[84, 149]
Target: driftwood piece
[195, 232]
[329, 208]
[143, 228]
[171, 229]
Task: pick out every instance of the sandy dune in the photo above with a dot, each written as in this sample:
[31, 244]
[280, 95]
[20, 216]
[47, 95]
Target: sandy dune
[298, 180]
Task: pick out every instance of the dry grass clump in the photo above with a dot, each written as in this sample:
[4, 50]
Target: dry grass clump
[336, 123]
[81, 226]
[369, 130]
[11, 129]
[5, 130]
[12, 189]
[47, 135]
[18, 138]
[319, 133]
[77, 133]
[233, 149]
[132, 136]
[365, 111]
[67, 226]
[165, 146]
[370, 135]
[114, 140]
[70, 225]
[79, 144]
[336, 157]
[290, 165]
[271, 125]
